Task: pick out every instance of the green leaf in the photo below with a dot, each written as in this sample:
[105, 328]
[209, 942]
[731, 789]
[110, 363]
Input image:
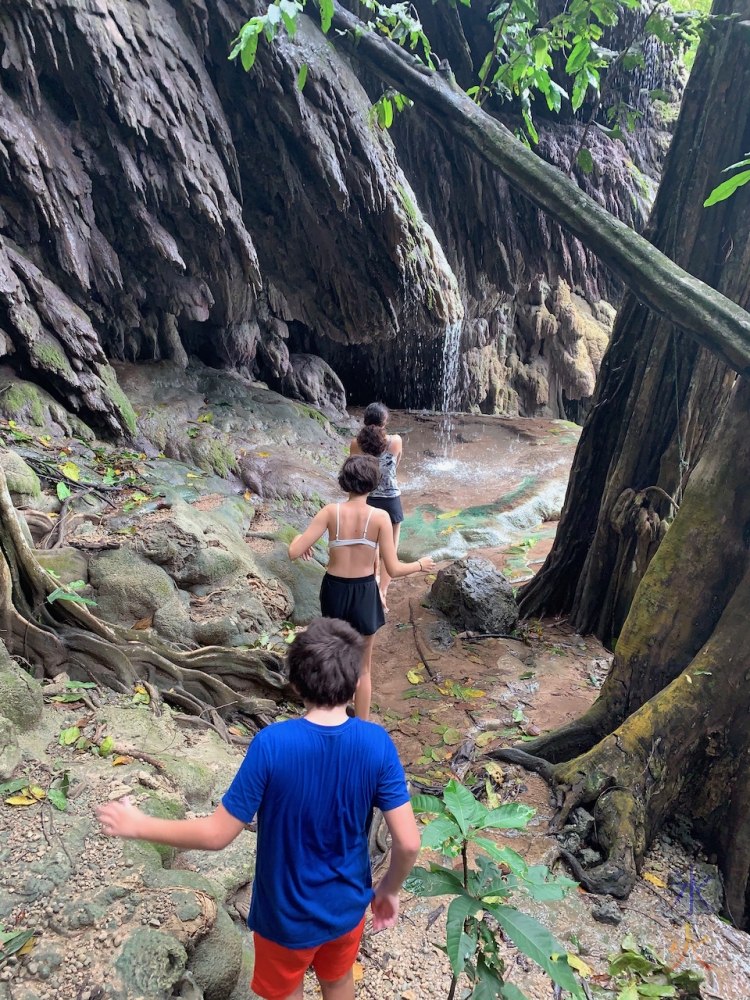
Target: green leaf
[69, 736]
[435, 882]
[451, 737]
[510, 991]
[511, 816]
[518, 715]
[427, 804]
[58, 798]
[13, 942]
[464, 808]
[727, 189]
[71, 471]
[106, 747]
[655, 990]
[631, 963]
[63, 491]
[585, 161]
[326, 15]
[629, 993]
[438, 831]
[75, 685]
[535, 941]
[505, 855]
[460, 908]
[10, 787]
[302, 76]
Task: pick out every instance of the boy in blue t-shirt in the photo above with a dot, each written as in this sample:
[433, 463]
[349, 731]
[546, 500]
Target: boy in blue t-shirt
[313, 783]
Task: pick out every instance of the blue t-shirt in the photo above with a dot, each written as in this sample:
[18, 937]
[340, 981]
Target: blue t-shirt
[314, 788]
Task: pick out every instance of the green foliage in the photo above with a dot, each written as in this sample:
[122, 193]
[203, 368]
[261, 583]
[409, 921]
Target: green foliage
[63, 491]
[68, 593]
[482, 892]
[637, 972]
[728, 187]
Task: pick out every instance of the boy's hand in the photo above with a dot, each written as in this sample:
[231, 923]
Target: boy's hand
[384, 908]
[119, 819]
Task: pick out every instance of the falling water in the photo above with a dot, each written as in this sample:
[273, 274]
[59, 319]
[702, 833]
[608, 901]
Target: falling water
[449, 389]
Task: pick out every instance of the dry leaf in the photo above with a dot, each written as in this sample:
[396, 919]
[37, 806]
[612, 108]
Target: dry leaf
[37, 792]
[414, 678]
[485, 738]
[451, 737]
[25, 949]
[263, 454]
[122, 759]
[144, 623]
[140, 689]
[234, 731]
[474, 659]
[20, 800]
[495, 772]
[654, 880]
[448, 513]
[358, 971]
[248, 495]
[579, 965]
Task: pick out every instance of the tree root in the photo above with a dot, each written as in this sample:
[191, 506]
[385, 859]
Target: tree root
[527, 761]
[65, 635]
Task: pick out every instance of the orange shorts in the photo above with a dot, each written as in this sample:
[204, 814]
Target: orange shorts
[279, 971]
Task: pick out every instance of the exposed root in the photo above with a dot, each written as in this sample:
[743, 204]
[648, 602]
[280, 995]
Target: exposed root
[527, 761]
[203, 682]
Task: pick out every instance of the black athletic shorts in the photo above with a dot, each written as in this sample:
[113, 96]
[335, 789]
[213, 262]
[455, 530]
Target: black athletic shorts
[391, 505]
[356, 600]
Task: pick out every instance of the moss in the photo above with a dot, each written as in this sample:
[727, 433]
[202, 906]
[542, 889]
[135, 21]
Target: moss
[50, 357]
[120, 400]
[23, 398]
[309, 411]
[411, 209]
[223, 460]
[162, 807]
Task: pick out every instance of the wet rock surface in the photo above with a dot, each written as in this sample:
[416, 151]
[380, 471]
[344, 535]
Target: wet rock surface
[474, 595]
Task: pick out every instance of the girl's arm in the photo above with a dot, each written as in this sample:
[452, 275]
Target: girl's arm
[390, 558]
[396, 439]
[301, 545]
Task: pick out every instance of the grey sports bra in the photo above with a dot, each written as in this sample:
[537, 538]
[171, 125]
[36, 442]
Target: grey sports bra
[352, 541]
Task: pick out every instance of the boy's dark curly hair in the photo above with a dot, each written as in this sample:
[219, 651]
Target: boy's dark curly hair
[325, 662]
[360, 474]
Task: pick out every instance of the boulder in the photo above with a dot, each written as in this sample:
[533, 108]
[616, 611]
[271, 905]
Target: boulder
[474, 595]
[311, 380]
[129, 589]
[150, 964]
[217, 959]
[20, 695]
[70, 564]
[23, 482]
[10, 755]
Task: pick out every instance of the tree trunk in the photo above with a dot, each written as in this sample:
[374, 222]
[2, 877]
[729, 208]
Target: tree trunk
[704, 314]
[669, 731]
[611, 523]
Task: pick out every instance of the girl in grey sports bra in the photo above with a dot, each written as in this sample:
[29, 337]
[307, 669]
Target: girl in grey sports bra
[364, 540]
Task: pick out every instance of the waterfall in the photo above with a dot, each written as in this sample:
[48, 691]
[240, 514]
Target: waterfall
[449, 388]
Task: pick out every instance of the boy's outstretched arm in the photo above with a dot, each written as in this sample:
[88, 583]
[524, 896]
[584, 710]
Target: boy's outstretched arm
[404, 851]
[209, 833]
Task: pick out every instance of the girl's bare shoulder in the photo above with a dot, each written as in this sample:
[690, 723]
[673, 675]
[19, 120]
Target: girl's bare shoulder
[354, 448]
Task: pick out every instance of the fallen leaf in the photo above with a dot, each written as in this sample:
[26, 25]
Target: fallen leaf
[263, 454]
[414, 678]
[495, 772]
[449, 513]
[106, 746]
[140, 689]
[71, 470]
[525, 677]
[248, 495]
[654, 880]
[143, 623]
[451, 737]
[69, 736]
[20, 800]
[474, 659]
[358, 971]
[485, 738]
[25, 949]
[122, 759]
[37, 792]
[579, 965]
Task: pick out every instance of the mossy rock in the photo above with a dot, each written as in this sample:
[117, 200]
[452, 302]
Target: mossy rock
[195, 781]
[68, 563]
[217, 960]
[20, 695]
[302, 578]
[150, 964]
[10, 755]
[242, 990]
[162, 806]
[130, 588]
[23, 482]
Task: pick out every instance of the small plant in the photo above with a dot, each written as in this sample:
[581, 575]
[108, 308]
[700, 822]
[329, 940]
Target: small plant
[479, 904]
[638, 973]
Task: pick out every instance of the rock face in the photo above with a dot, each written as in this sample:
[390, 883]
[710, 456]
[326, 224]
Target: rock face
[311, 380]
[475, 596]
